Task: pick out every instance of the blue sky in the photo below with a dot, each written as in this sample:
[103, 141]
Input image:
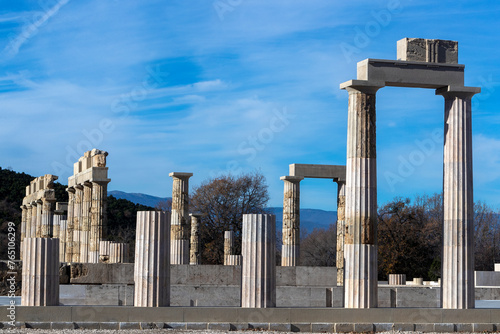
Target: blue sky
[221, 86]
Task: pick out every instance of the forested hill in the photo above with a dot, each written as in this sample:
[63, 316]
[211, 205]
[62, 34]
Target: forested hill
[121, 213]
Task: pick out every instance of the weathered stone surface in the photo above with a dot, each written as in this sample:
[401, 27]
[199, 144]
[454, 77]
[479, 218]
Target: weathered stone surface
[458, 230]
[290, 251]
[360, 248]
[228, 245]
[397, 279]
[428, 50]
[340, 231]
[194, 251]
[118, 252]
[152, 259]
[40, 273]
[258, 281]
[179, 234]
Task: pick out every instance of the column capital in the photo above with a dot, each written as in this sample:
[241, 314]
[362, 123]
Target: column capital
[294, 179]
[458, 91]
[180, 175]
[87, 184]
[79, 186]
[362, 86]
[70, 190]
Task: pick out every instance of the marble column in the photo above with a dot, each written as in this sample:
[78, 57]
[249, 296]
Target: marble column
[152, 259]
[228, 245]
[77, 220]
[63, 225]
[179, 233]
[28, 221]
[118, 252]
[47, 218]
[233, 260]
[56, 227]
[33, 219]
[457, 290]
[39, 211]
[258, 277]
[340, 231]
[68, 257]
[290, 252]
[360, 241]
[397, 279]
[40, 273]
[85, 222]
[104, 251]
[99, 218]
[23, 221]
[194, 252]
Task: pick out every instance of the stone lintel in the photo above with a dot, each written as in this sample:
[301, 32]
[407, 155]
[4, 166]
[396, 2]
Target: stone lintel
[292, 178]
[399, 73]
[334, 172]
[458, 90]
[180, 175]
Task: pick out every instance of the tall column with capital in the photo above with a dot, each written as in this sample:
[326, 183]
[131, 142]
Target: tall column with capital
[85, 222]
[180, 218]
[290, 253]
[340, 231]
[457, 291]
[34, 210]
[68, 257]
[39, 211]
[360, 241]
[77, 220]
[47, 217]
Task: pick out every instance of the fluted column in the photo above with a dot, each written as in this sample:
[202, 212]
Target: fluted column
[258, 278]
[194, 252]
[458, 206]
[39, 211]
[63, 225]
[179, 233]
[28, 221]
[77, 220]
[228, 245]
[340, 231]
[47, 218]
[68, 257]
[85, 222]
[233, 260]
[23, 221]
[40, 273]
[104, 251]
[33, 219]
[56, 227]
[152, 259]
[290, 252]
[118, 252]
[99, 218]
[360, 242]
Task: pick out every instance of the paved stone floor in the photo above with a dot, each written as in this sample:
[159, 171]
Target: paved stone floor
[150, 331]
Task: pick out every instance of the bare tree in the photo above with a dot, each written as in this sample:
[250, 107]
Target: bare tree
[319, 248]
[222, 201]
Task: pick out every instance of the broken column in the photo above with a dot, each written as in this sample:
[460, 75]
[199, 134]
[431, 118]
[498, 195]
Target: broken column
[228, 245]
[258, 279]
[340, 231]
[180, 219]
[118, 252]
[360, 242]
[194, 257]
[152, 259]
[397, 279]
[48, 199]
[233, 260]
[99, 202]
[290, 252]
[104, 251]
[40, 274]
[60, 227]
[458, 206]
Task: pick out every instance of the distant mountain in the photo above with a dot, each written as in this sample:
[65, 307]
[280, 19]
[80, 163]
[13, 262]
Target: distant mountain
[138, 198]
[309, 218]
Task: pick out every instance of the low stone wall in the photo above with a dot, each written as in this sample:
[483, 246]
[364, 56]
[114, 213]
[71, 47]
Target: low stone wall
[277, 319]
[487, 278]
